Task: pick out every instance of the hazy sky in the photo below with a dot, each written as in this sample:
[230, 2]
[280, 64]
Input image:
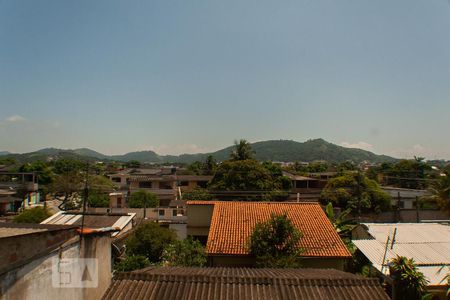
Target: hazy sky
[192, 76]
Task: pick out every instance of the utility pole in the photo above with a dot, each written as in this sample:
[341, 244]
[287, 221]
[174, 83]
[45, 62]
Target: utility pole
[85, 198]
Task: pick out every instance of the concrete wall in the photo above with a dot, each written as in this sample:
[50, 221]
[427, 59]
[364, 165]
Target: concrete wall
[33, 279]
[404, 216]
[98, 247]
[15, 250]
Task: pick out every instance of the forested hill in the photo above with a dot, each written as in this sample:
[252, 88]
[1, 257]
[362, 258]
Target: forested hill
[274, 150]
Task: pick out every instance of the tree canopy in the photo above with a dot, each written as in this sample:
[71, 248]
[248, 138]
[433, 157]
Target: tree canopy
[32, 215]
[150, 240]
[142, 199]
[275, 243]
[185, 253]
[355, 191]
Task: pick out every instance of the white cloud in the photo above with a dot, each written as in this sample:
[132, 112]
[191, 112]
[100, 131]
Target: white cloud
[419, 150]
[15, 119]
[359, 145]
[179, 149]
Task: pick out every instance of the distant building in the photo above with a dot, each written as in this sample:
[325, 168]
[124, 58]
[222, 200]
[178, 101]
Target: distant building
[427, 243]
[165, 183]
[18, 190]
[225, 228]
[404, 198]
[242, 283]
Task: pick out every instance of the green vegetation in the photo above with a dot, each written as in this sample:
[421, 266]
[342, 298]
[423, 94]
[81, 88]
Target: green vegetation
[197, 194]
[343, 225]
[98, 200]
[355, 191]
[440, 192]
[242, 175]
[275, 243]
[150, 240]
[142, 199]
[34, 215]
[409, 283]
[207, 167]
[186, 253]
[131, 263]
[242, 151]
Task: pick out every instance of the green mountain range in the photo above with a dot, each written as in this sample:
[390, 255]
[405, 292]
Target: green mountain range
[274, 150]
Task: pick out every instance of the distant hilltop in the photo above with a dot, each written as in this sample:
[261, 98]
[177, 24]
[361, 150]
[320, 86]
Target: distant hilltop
[273, 150]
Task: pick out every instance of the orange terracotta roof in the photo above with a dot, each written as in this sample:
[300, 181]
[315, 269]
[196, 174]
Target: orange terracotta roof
[233, 222]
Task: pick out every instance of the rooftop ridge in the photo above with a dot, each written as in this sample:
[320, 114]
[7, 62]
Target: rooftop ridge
[246, 279]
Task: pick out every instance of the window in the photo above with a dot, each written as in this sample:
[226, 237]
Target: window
[119, 202]
[161, 212]
[145, 184]
[183, 183]
[116, 179]
[166, 185]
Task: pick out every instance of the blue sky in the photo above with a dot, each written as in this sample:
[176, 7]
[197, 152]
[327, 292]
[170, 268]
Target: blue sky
[192, 76]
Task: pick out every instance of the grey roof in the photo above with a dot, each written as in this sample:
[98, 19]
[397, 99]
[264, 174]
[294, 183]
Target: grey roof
[242, 283]
[427, 243]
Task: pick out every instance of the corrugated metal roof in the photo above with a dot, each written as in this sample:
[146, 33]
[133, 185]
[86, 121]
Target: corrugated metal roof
[241, 283]
[94, 221]
[428, 244]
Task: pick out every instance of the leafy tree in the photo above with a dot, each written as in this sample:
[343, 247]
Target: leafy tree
[98, 200]
[44, 172]
[409, 283]
[356, 192]
[150, 240]
[209, 165]
[131, 263]
[33, 215]
[133, 164]
[275, 243]
[242, 151]
[186, 253]
[142, 199]
[242, 175]
[346, 166]
[197, 194]
[317, 166]
[67, 166]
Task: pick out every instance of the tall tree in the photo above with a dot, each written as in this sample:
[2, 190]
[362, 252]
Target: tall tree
[275, 243]
[242, 151]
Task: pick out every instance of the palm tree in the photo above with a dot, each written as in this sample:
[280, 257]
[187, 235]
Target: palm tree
[409, 283]
[440, 192]
[242, 150]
